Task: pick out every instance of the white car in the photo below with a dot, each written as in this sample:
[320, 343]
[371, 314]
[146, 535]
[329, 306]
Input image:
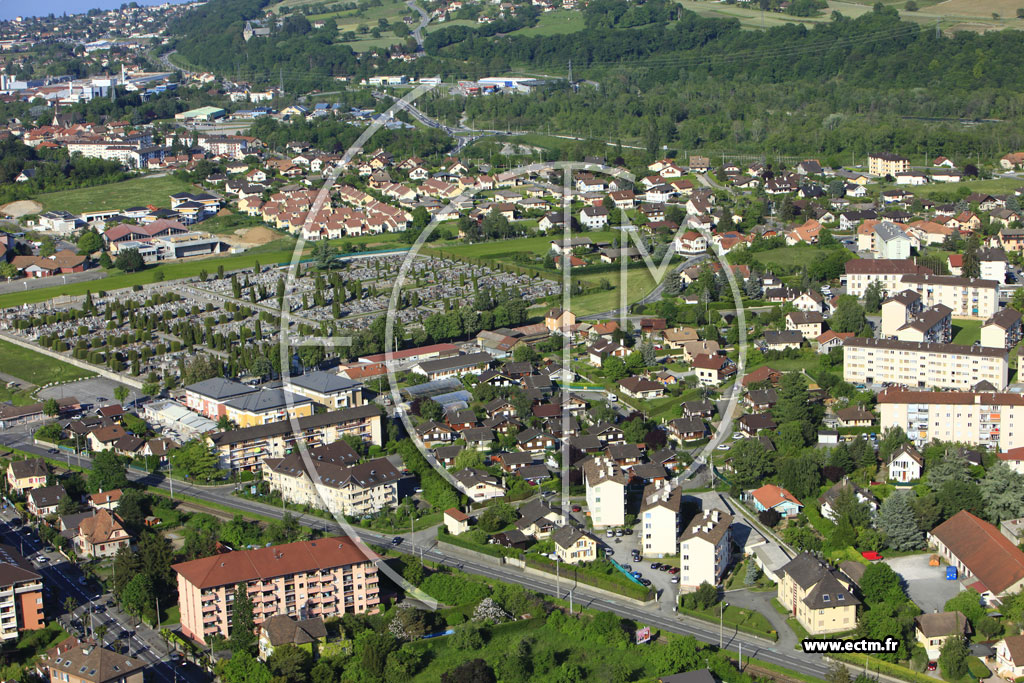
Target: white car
[723, 447]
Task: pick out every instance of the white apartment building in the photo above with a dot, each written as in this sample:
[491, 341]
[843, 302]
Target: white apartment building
[659, 518]
[606, 492]
[704, 550]
[992, 420]
[344, 486]
[860, 273]
[966, 297]
[923, 365]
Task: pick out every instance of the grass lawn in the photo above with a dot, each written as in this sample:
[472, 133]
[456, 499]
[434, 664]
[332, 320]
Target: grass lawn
[32, 644]
[554, 23]
[739, 617]
[134, 192]
[791, 256]
[226, 225]
[14, 397]
[35, 367]
[966, 332]
[994, 186]
[273, 253]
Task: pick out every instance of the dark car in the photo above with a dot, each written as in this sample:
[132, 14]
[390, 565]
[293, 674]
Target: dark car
[397, 540]
[122, 634]
[655, 565]
[645, 582]
[664, 568]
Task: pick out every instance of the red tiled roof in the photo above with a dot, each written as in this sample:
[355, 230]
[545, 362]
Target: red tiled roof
[279, 560]
[771, 495]
[990, 556]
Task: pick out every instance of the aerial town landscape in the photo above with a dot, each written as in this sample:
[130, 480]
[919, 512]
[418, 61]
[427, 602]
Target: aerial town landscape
[564, 340]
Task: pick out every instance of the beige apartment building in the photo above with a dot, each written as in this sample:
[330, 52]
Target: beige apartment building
[322, 578]
[966, 297]
[704, 550]
[1003, 330]
[992, 420]
[247, 448]
[659, 516]
[923, 365]
[860, 273]
[933, 325]
[887, 163]
[606, 492]
[343, 484]
[327, 389]
[819, 596]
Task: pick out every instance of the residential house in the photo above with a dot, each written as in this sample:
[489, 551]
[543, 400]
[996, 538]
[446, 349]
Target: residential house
[101, 535]
[819, 596]
[933, 629]
[772, 497]
[43, 502]
[478, 485]
[281, 629]
[573, 545]
[827, 500]
[25, 475]
[905, 464]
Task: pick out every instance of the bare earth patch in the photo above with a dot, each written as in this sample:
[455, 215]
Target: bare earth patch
[21, 208]
[251, 237]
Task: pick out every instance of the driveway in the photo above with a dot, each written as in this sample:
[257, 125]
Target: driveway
[927, 586]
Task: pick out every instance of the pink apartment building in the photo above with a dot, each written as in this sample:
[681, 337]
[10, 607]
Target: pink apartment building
[321, 578]
[209, 396]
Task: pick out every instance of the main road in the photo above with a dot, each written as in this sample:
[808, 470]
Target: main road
[659, 614]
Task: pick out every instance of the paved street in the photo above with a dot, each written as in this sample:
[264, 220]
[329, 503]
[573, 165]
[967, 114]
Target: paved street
[62, 579]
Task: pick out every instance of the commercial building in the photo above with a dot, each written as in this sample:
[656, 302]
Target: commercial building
[985, 560]
[966, 297]
[991, 420]
[245, 449]
[327, 389]
[606, 492]
[200, 114]
[21, 595]
[210, 396]
[454, 366]
[922, 364]
[322, 578]
[704, 550]
[267, 406]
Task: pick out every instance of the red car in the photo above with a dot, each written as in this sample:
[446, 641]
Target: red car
[932, 666]
[871, 555]
[577, 508]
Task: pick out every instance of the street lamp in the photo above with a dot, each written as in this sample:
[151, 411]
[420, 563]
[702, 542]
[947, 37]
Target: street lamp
[721, 623]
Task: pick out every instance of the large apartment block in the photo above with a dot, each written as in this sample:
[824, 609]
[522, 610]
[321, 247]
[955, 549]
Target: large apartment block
[704, 550]
[247, 448]
[606, 492]
[993, 420]
[923, 365]
[322, 578]
[966, 297]
[860, 273]
[342, 485]
[659, 516]
[21, 595]
[887, 163]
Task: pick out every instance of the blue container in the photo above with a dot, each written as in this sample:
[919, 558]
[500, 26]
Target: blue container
[951, 574]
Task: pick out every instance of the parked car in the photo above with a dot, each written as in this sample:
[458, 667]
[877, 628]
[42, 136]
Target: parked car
[932, 666]
[645, 582]
[577, 508]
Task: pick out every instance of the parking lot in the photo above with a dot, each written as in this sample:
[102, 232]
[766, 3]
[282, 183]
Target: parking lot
[927, 586]
[94, 391]
[622, 547]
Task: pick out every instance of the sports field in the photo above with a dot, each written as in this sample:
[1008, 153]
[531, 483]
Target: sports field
[155, 190]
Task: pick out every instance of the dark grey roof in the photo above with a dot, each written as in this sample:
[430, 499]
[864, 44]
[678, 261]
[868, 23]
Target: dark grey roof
[220, 388]
[323, 382]
[565, 536]
[284, 427]
[267, 399]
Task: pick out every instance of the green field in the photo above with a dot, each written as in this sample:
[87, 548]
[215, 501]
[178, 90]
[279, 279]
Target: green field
[966, 332]
[994, 186]
[134, 192]
[554, 23]
[35, 367]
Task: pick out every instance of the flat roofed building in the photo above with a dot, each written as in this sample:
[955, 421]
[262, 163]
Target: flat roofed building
[327, 389]
[322, 578]
[923, 365]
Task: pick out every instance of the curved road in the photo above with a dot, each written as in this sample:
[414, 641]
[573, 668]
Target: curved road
[417, 32]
